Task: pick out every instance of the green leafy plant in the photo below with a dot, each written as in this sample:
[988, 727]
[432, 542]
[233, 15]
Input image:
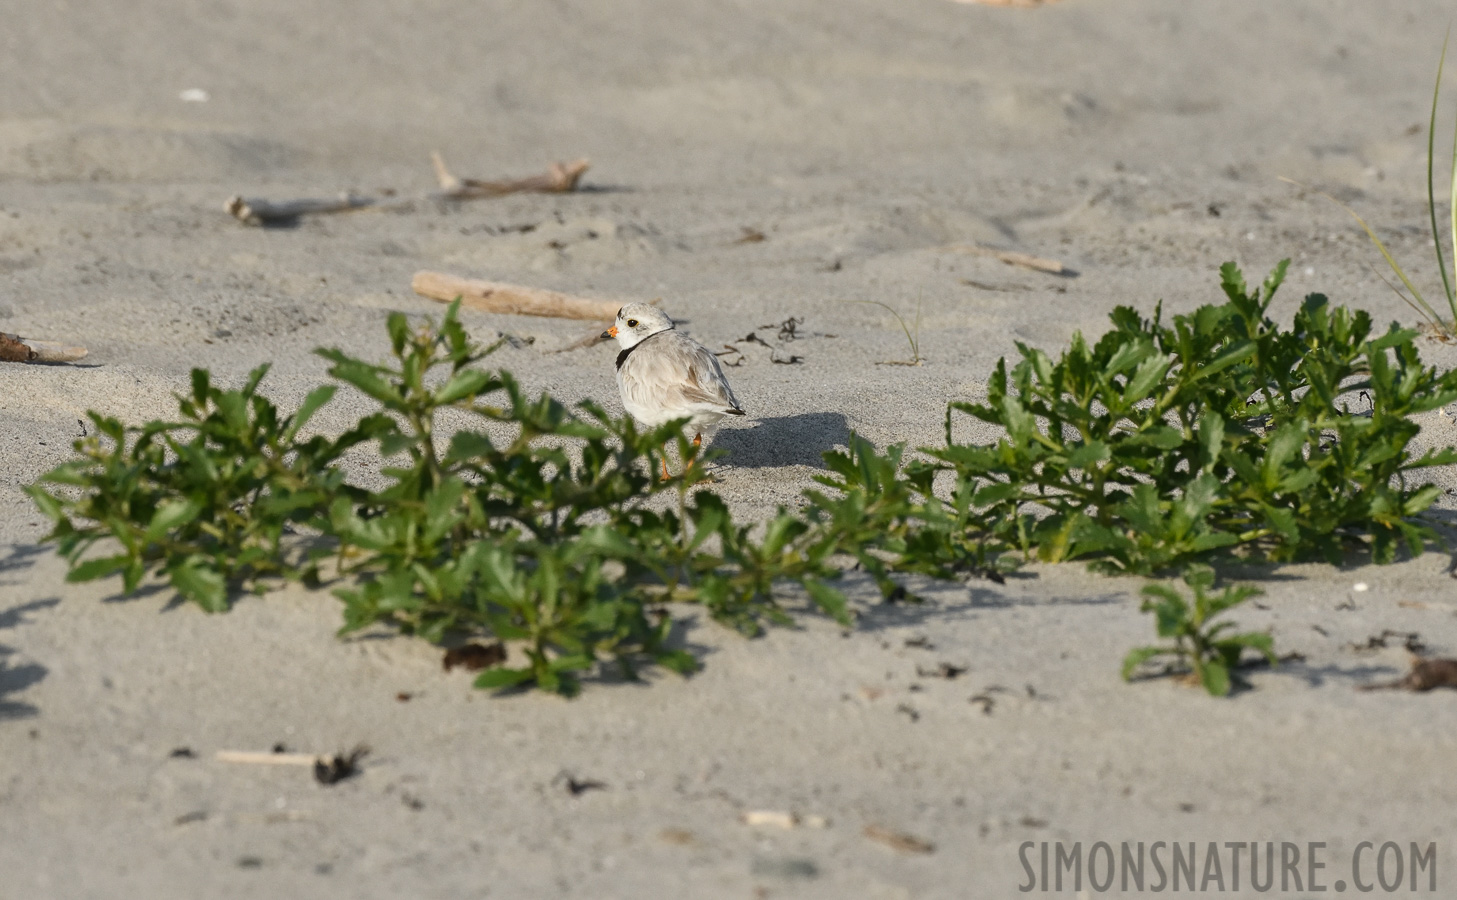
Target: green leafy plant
[530, 522]
[206, 500]
[1202, 647]
[547, 526]
[549, 535]
[890, 518]
[1164, 442]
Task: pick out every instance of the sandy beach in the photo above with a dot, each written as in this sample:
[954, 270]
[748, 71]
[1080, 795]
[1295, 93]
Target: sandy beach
[751, 162]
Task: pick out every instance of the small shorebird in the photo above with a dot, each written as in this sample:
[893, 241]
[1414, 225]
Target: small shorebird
[664, 374]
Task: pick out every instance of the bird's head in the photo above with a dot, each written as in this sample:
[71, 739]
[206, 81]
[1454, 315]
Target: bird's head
[637, 322]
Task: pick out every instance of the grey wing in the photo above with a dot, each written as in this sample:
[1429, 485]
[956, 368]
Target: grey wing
[677, 373]
[711, 384]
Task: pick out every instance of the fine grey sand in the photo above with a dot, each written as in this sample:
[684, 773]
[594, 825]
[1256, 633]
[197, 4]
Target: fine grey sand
[1139, 142]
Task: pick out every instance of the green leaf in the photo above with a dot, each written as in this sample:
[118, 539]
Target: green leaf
[49, 505]
[365, 378]
[1233, 282]
[1151, 372]
[169, 515]
[831, 601]
[465, 383]
[680, 661]
[92, 569]
[1159, 437]
[316, 399]
[390, 444]
[497, 679]
[1089, 454]
[1211, 439]
[1214, 675]
[1137, 657]
[573, 663]
[1238, 352]
[198, 582]
[1255, 640]
[468, 445]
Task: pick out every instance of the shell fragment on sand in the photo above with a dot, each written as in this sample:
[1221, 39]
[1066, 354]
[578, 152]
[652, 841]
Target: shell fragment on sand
[14, 348]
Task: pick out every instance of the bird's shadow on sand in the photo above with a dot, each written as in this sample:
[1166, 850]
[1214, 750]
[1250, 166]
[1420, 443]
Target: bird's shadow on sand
[775, 441]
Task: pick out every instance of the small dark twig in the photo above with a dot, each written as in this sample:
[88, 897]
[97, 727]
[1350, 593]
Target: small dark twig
[577, 786]
[336, 768]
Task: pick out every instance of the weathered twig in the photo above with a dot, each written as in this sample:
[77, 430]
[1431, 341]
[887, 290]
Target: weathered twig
[14, 348]
[1013, 258]
[561, 178]
[898, 841]
[329, 768]
[262, 758]
[1020, 3]
[494, 297]
[262, 212]
[776, 818]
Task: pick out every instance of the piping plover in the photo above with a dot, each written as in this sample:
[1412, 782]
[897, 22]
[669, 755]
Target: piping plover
[664, 374]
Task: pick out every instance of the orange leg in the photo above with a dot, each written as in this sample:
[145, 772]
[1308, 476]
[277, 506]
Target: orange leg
[664, 461]
[697, 442]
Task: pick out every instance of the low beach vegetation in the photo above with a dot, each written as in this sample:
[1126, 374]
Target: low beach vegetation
[1165, 443]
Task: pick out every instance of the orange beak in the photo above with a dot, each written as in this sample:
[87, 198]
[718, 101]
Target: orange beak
[610, 333]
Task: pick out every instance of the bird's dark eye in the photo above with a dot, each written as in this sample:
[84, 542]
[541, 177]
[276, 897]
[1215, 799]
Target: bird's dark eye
[632, 323]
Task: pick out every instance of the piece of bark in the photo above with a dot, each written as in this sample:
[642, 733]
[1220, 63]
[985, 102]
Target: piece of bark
[1013, 258]
[495, 297]
[14, 348]
[1425, 675]
[560, 178]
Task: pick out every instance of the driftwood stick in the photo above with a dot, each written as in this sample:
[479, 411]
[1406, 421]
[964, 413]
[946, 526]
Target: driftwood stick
[1013, 258]
[259, 758]
[561, 178]
[14, 348]
[494, 297]
[1018, 3]
[264, 212]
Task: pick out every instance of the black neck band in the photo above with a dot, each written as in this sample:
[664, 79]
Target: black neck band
[622, 357]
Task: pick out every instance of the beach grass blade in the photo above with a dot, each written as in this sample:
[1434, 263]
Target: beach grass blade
[1431, 193]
